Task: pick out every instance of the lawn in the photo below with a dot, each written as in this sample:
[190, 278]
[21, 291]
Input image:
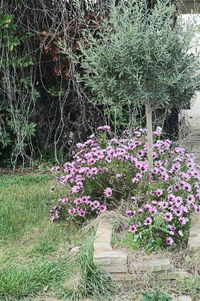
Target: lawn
[35, 260]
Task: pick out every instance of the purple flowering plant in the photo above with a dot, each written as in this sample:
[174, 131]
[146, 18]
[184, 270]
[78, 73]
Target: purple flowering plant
[106, 171]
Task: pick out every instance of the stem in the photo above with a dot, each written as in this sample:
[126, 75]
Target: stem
[148, 112]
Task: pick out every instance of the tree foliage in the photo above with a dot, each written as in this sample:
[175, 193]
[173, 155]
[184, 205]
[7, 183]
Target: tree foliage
[140, 58]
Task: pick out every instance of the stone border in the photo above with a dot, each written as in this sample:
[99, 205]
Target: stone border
[194, 238]
[116, 262]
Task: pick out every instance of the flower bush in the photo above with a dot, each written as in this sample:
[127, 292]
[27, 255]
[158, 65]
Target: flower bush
[106, 171]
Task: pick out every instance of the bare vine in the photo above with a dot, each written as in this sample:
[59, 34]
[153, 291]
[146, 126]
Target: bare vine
[55, 112]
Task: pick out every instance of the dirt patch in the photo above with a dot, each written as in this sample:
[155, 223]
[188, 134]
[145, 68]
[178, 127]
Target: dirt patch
[17, 171]
[187, 260]
[42, 169]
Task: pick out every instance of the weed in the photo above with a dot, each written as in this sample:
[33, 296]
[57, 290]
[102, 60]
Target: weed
[156, 295]
[190, 286]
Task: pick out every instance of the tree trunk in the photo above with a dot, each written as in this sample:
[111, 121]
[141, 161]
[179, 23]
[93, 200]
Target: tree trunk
[148, 112]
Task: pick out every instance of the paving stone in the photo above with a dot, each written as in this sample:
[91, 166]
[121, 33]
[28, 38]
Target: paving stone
[123, 277]
[106, 236]
[104, 227]
[104, 232]
[156, 265]
[110, 257]
[177, 274]
[102, 246]
[116, 269]
[106, 224]
[183, 298]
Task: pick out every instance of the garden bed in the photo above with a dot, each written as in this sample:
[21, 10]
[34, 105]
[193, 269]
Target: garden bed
[125, 265]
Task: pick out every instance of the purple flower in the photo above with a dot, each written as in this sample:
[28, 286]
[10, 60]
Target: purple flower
[183, 220]
[171, 197]
[118, 175]
[89, 203]
[104, 128]
[169, 216]
[85, 198]
[79, 145]
[169, 189]
[138, 224]
[171, 227]
[197, 209]
[153, 210]
[63, 201]
[178, 211]
[75, 189]
[78, 201]
[177, 187]
[95, 204]
[137, 133]
[164, 176]
[190, 199]
[54, 208]
[155, 170]
[147, 206]
[187, 187]
[169, 241]
[148, 221]
[108, 192]
[128, 212]
[138, 175]
[91, 161]
[71, 211]
[53, 218]
[178, 201]
[56, 168]
[81, 213]
[158, 192]
[135, 180]
[180, 233]
[132, 229]
[102, 208]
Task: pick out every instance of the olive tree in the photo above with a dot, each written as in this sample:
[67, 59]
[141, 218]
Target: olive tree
[140, 58]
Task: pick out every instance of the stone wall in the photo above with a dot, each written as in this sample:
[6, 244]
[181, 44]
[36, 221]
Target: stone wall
[190, 119]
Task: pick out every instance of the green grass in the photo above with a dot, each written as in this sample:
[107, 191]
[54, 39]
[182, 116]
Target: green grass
[35, 260]
[23, 203]
[17, 281]
[94, 282]
[33, 251]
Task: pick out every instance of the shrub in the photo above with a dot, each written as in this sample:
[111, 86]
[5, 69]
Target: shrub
[106, 171]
